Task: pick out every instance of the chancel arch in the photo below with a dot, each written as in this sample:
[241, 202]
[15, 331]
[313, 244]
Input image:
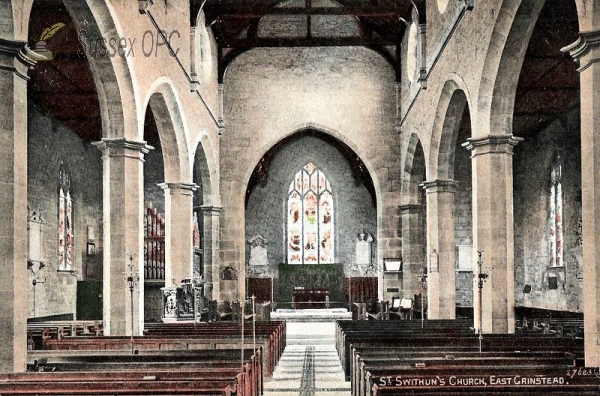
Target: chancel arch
[310, 197]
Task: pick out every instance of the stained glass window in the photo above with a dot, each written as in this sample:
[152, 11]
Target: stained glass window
[65, 221]
[556, 214]
[310, 218]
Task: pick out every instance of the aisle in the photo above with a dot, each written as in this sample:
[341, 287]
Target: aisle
[310, 365]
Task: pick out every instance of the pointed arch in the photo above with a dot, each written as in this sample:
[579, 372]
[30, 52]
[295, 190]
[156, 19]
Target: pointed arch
[451, 106]
[506, 52]
[370, 168]
[115, 82]
[414, 170]
[205, 171]
[172, 130]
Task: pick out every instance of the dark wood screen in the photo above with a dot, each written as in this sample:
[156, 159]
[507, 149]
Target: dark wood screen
[260, 288]
[360, 289]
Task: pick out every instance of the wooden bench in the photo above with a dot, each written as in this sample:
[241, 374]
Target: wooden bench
[207, 366]
[210, 337]
[438, 359]
[39, 332]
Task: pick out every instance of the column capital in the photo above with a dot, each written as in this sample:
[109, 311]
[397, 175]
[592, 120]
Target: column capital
[439, 185]
[16, 50]
[492, 144]
[115, 147]
[410, 208]
[209, 209]
[181, 188]
[580, 50]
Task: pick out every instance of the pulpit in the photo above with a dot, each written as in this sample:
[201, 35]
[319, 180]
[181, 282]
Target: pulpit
[303, 298]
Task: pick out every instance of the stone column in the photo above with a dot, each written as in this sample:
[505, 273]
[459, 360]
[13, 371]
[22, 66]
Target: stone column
[586, 50]
[211, 242]
[441, 290]
[123, 214]
[493, 230]
[179, 223]
[413, 241]
[13, 224]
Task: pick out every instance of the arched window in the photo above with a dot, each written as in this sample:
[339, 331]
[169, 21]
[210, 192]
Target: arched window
[556, 213]
[65, 220]
[310, 218]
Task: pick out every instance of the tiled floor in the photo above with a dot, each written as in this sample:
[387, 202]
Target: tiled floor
[310, 365]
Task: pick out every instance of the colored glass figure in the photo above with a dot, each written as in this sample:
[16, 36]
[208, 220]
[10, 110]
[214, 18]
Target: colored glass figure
[65, 221]
[555, 215]
[310, 218]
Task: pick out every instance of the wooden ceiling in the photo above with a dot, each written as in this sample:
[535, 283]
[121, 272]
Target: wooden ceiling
[235, 24]
[549, 81]
[65, 89]
[234, 21]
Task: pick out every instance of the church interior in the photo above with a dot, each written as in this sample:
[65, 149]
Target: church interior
[366, 197]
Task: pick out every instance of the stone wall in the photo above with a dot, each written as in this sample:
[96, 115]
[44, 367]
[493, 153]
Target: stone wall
[463, 219]
[49, 143]
[272, 93]
[533, 161]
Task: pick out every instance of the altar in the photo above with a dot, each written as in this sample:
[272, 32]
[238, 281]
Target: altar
[307, 298]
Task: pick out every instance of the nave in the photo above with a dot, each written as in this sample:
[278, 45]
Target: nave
[309, 365]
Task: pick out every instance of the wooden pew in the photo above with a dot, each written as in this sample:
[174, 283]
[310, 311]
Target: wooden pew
[215, 366]
[213, 336]
[373, 360]
[381, 355]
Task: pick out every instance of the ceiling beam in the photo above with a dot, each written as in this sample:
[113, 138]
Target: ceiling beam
[275, 42]
[324, 11]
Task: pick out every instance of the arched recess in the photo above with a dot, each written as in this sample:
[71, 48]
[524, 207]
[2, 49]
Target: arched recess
[323, 230]
[506, 51]
[113, 77]
[206, 215]
[452, 164]
[414, 170]
[327, 130]
[510, 103]
[413, 211]
[168, 191]
[204, 174]
[548, 207]
[172, 131]
[448, 116]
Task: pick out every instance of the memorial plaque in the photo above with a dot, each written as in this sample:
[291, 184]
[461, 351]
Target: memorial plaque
[363, 249]
[258, 250]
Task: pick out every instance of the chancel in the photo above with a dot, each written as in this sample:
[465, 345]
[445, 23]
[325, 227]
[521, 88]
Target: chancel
[409, 185]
